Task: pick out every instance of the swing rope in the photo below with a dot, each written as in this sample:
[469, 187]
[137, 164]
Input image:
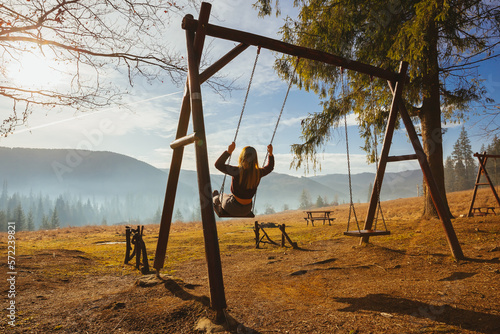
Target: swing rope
[241, 117]
[282, 108]
[246, 96]
[352, 210]
[278, 121]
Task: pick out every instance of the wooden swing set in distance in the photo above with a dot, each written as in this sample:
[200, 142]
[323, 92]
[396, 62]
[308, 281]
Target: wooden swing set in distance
[196, 31]
[477, 211]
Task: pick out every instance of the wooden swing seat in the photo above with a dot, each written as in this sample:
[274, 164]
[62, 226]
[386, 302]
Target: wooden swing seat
[224, 214]
[368, 233]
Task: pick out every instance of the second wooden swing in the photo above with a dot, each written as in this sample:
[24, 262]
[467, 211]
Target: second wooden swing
[352, 211]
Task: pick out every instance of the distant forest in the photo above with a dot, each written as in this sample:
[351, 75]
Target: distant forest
[38, 211]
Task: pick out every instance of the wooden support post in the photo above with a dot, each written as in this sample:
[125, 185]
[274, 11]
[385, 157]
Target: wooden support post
[128, 246]
[176, 162]
[284, 236]
[145, 261]
[282, 229]
[474, 193]
[175, 165]
[438, 201]
[389, 131]
[212, 251]
[257, 234]
[138, 248]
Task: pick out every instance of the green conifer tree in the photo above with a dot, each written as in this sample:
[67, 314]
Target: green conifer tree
[54, 220]
[30, 221]
[20, 218]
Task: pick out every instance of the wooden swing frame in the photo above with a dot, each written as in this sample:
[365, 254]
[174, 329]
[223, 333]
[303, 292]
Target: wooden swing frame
[483, 159]
[196, 31]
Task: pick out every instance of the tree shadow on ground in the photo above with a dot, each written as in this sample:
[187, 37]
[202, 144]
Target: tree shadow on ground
[178, 289]
[465, 319]
[493, 260]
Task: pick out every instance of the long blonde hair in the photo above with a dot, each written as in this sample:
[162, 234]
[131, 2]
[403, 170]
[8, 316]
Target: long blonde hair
[249, 168]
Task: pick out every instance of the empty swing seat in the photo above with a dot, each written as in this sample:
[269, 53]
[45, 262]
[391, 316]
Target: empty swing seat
[367, 233]
[224, 214]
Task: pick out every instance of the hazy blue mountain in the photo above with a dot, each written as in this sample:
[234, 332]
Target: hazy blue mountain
[107, 177]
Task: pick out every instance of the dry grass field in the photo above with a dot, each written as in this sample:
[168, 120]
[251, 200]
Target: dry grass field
[73, 280]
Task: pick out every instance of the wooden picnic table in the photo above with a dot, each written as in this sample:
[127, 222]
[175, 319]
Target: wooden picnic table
[323, 215]
[480, 212]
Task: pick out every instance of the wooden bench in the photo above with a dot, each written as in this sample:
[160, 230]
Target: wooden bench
[323, 215]
[484, 211]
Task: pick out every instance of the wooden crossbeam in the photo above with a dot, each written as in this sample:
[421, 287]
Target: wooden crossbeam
[189, 23]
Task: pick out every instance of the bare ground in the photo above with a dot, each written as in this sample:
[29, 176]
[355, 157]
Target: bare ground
[407, 282]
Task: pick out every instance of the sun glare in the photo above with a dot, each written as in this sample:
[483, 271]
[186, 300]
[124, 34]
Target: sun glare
[35, 71]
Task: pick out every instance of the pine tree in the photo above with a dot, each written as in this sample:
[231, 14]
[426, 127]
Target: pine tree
[319, 202]
[20, 218]
[45, 225]
[460, 176]
[40, 212]
[30, 221]
[54, 220]
[494, 147]
[269, 210]
[493, 167]
[3, 221]
[157, 216]
[305, 200]
[449, 175]
[178, 216]
[463, 158]
[4, 197]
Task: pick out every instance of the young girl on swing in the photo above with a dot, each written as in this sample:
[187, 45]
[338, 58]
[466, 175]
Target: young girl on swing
[245, 179]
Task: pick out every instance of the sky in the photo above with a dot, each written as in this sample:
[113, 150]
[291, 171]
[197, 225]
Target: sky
[145, 130]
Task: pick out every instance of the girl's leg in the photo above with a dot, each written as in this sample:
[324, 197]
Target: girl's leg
[233, 207]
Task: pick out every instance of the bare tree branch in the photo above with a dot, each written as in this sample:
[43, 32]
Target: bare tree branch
[88, 39]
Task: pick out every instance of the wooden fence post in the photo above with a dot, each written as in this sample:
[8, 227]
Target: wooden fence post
[257, 234]
[128, 246]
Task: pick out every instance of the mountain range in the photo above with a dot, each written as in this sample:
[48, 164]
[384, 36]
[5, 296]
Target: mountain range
[101, 175]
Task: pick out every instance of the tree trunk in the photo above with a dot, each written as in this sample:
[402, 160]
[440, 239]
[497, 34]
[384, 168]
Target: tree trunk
[430, 118]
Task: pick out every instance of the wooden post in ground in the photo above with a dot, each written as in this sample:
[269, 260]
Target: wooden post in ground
[389, 132]
[138, 248]
[128, 246]
[284, 236]
[257, 234]
[212, 251]
[282, 229]
[438, 201]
